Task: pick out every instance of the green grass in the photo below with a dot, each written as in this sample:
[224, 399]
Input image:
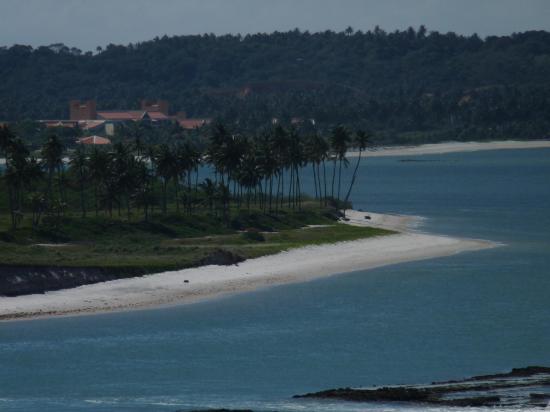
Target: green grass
[169, 242]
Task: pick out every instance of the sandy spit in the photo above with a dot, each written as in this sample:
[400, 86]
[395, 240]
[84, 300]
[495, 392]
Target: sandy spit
[452, 147]
[296, 265]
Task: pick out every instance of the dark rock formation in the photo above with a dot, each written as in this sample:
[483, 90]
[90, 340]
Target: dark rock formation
[219, 410]
[221, 257]
[506, 389]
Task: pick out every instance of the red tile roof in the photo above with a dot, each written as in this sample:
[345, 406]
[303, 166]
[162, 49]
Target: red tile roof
[90, 124]
[93, 140]
[125, 115]
[157, 116]
[121, 115]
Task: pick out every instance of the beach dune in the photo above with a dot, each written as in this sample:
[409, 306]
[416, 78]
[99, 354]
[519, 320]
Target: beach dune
[207, 282]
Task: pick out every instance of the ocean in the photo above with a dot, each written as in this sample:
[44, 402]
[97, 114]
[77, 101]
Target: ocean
[439, 319]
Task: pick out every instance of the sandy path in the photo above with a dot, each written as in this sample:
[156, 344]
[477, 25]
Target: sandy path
[296, 265]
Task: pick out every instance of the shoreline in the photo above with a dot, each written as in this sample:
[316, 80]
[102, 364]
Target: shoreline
[439, 148]
[207, 282]
[451, 147]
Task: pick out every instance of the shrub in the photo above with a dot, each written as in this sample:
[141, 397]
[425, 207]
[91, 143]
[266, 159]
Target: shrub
[253, 235]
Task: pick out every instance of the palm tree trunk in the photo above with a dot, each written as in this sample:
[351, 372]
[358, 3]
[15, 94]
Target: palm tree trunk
[82, 201]
[278, 190]
[164, 205]
[177, 195]
[49, 189]
[352, 180]
[189, 190]
[314, 179]
[12, 206]
[299, 189]
[325, 179]
[95, 199]
[320, 189]
[339, 177]
[282, 186]
[333, 177]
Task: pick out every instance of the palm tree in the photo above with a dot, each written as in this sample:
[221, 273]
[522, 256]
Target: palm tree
[20, 172]
[268, 165]
[218, 138]
[296, 159]
[52, 152]
[7, 138]
[209, 189]
[188, 159]
[361, 141]
[280, 144]
[123, 163]
[78, 166]
[249, 172]
[317, 150]
[33, 174]
[99, 164]
[167, 168]
[142, 192]
[339, 141]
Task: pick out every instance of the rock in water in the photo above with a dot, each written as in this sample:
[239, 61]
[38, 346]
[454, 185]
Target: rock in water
[512, 389]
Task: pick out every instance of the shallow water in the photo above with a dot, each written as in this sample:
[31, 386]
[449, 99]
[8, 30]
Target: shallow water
[438, 319]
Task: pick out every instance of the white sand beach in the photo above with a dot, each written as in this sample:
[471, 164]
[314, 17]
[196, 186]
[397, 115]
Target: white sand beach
[296, 265]
[452, 147]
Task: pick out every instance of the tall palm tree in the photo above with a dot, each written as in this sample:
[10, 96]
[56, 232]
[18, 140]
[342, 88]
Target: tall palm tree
[99, 164]
[209, 189]
[33, 175]
[122, 162]
[340, 139]
[7, 138]
[52, 152]
[20, 172]
[249, 172]
[280, 142]
[217, 139]
[142, 190]
[296, 158]
[317, 151]
[268, 165]
[362, 139]
[167, 169]
[78, 166]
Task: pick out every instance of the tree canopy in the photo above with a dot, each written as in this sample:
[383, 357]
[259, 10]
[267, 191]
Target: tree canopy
[401, 83]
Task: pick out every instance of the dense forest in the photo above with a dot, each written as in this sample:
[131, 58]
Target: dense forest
[405, 86]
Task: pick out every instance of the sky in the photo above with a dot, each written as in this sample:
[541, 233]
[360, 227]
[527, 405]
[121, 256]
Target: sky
[87, 24]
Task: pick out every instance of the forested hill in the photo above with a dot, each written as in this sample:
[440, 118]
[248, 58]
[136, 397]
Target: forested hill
[402, 84]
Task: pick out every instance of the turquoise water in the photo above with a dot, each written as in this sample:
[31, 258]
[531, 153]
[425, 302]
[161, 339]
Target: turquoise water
[438, 319]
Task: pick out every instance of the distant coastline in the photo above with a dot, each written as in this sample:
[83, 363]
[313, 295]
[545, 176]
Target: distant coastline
[452, 147]
[207, 282]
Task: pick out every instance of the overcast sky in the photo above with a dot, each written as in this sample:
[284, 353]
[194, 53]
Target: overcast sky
[89, 23]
